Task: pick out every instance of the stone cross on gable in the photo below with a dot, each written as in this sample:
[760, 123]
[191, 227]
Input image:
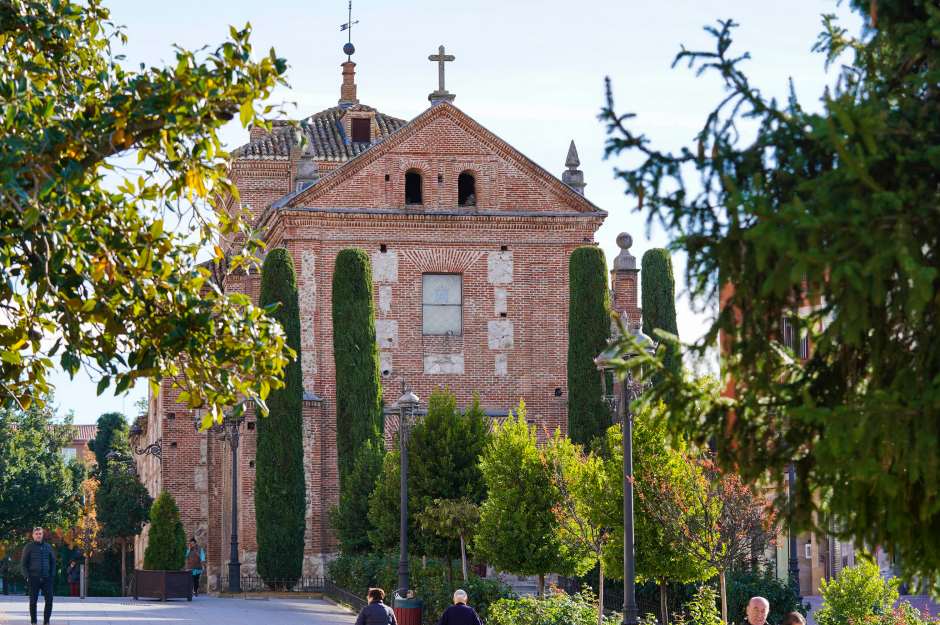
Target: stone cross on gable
[441, 95]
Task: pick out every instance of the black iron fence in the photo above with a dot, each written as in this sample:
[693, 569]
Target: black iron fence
[341, 595]
[312, 584]
[254, 583]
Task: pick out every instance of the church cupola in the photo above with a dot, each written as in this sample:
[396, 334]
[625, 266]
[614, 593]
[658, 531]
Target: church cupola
[573, 177]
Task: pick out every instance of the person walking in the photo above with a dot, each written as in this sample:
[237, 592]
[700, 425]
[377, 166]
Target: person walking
[39, 567]
[73, 575]
[376, 613]
[195, 562]
[460, 613]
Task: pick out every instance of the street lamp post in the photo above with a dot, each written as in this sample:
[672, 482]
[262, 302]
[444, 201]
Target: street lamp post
[407, 405]
[228, 431]
[630, 391]
[793, 568]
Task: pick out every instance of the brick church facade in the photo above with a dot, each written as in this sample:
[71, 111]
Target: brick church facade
[469, 242]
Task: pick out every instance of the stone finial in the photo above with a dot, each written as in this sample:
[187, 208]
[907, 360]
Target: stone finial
[573, 177]
[347, 92]
[572, 162]
[625, 261]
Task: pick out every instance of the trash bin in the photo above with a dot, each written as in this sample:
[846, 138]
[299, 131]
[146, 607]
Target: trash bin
[408, 610]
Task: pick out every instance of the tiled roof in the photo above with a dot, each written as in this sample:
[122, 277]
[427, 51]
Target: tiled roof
[86, 432]
[326, 139]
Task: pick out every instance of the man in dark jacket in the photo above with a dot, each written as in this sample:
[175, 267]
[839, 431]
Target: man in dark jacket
[460, 613]
[376, 613]
[39, 567]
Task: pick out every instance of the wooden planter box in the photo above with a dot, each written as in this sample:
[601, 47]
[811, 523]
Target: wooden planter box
[163, 585]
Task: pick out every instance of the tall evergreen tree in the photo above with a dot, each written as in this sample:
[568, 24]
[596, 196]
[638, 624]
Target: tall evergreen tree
[166, 540]
[588, 331]
[659, 300]
[280, 492]
[111, 435]
[358, 387]
[123, 506]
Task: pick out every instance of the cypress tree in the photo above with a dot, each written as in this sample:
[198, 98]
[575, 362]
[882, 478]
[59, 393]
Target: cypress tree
[358, 388]
[111, 435]
[659, 299]
[166, 541]
[280, 493]
[588, 332]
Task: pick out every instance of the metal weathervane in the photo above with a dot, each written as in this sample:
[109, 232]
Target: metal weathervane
[349, 48]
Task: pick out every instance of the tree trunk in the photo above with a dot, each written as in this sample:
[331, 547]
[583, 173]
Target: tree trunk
[463, 557]
[664, 602]
[724, 595]
[123, 567]
[541, 585]
[450, 567]
[600, 591]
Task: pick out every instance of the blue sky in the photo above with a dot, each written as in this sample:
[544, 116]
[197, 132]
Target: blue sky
[530, 71]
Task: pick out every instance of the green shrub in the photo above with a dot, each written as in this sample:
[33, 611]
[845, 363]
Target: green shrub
[280, 492]
[557, 609]
[358, 387]
[588, 332]
[742, 585]
[703, 608]
[856, 594]
[444, 458]
[166, 541]
[350, 518]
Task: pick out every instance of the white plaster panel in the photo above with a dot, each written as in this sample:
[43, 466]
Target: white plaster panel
[203, 449]
[502, 365]
[500, 334]
[385, 267]
[385, 363]
[307, 302]
[386, 333]
[443, 364]
[201, 478]
[385, 299]
[499, 267]
[499, 297]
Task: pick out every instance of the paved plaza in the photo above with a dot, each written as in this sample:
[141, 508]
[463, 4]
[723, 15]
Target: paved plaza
[202, 611]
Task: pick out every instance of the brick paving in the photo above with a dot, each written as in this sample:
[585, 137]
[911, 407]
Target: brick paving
[14, 610]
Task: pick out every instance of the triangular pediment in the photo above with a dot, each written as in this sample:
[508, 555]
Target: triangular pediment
[442, 141]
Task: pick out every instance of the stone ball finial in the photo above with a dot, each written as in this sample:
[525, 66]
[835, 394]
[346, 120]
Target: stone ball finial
[624, 241]
[348, 49]
[625, 261]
